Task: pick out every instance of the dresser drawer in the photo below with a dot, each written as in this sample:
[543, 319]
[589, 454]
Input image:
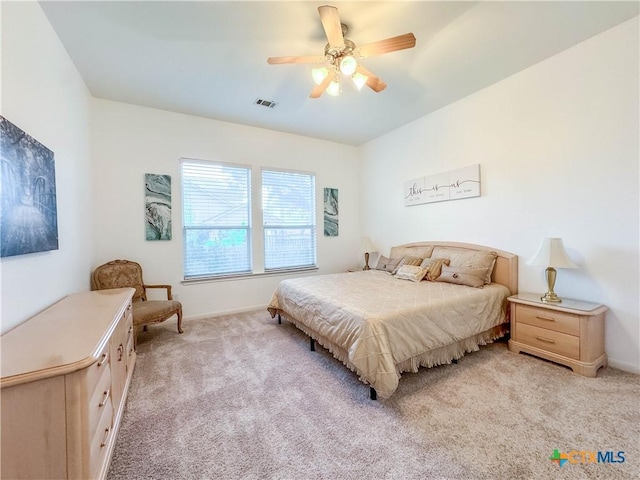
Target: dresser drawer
[548, 319]
[100, 401]
[100, 441]
[94, 373]
[549, 340]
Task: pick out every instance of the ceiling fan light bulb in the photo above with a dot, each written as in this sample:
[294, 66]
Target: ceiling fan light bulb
[348, 65]
[359, 80]
[334, 88]
[319, 74]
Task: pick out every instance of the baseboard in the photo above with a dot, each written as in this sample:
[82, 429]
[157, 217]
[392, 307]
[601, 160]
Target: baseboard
[219, 313]
[624, 366]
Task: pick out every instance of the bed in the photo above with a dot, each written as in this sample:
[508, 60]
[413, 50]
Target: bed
[386, 321]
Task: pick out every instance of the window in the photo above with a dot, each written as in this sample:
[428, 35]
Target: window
[216, 218]
[217, 214]
[289, 219]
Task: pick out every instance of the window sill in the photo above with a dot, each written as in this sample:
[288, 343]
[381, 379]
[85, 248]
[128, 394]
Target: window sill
[245, 276]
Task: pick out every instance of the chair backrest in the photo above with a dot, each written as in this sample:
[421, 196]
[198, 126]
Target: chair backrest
[119, 274]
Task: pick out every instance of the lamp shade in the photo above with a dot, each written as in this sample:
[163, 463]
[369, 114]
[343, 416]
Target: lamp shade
[367, 246]
[552, 254]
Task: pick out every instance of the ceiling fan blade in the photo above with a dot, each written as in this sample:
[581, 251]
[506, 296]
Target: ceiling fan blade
[373, 82]
[408, 40]
[331, 24]
[305, 59]
[319, 89]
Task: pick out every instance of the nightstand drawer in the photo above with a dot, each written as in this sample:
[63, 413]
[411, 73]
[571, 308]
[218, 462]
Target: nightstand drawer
[549, 340]
[548, 319]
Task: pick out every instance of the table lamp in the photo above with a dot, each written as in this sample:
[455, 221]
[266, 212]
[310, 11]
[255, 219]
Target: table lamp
[367, 247]
[552, 255]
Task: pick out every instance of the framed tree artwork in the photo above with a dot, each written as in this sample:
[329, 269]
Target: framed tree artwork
[28, 214]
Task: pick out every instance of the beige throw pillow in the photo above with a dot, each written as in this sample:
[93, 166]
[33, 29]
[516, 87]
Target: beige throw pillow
[472, 277]
[463, 258]
[423, 251]
[434, 267]
[387, 264]
[415, 261]
[414, 273]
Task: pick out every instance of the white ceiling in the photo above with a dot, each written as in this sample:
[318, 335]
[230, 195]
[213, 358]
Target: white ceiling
[208, 58]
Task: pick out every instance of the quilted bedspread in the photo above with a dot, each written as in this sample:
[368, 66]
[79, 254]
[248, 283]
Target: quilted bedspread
[381, 321]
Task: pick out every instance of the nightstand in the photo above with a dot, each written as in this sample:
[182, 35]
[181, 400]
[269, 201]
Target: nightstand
[570, 333]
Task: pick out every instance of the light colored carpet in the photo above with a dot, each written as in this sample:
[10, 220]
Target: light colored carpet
[241, 397]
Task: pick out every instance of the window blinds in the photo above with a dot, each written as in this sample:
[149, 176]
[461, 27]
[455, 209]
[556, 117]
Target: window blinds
[289, 219]
[216, 208]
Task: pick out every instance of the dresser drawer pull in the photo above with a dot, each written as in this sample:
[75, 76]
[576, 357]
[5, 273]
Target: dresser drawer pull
[546, 340]
[106, 435]
[105, 397]
[120, 352]
[548, 319]
[103, 360]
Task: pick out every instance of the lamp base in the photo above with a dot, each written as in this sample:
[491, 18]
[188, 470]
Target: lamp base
[551, 297]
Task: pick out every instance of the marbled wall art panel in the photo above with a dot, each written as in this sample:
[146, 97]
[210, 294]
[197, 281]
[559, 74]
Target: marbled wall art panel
[157, 204]
[330, 212]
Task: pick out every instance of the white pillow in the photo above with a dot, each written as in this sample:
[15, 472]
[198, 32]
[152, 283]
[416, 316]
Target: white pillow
[414, 273]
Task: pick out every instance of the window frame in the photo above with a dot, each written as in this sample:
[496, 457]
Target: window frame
[313, 226]
[256, 236]
[247, 228]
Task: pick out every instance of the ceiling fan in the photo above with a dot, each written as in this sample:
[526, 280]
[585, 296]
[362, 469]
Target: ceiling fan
[342, 55]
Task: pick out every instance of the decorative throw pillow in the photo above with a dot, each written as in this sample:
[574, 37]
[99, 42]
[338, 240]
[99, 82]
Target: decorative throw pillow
[422, 251]
[406, 260]
[463, 258]
[472, 277]
[434, 267]
[414, 273]
[387, 264]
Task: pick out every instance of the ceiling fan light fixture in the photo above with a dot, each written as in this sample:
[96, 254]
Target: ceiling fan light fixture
[348, 65]
[334, 87]
[319, 74]
[342, 57]
[359, 80]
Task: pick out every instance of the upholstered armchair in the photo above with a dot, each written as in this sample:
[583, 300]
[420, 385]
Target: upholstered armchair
[124, 273]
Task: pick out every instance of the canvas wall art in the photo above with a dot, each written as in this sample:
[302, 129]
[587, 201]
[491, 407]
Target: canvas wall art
[157, 205]
[330, 212]
[452, 185]
[28, 214]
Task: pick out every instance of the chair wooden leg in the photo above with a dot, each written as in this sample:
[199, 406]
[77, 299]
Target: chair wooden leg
[180, 321]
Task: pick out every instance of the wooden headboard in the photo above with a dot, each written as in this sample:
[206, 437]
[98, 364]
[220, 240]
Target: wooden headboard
[505, 270]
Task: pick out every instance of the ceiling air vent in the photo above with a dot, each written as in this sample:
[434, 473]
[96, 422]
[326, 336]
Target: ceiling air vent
[265, 103]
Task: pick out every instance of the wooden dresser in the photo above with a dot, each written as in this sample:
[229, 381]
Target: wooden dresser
[65, 376]
[570, 333]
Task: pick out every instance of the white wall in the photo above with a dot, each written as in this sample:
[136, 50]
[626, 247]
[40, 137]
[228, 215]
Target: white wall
[43, 94]
[129, 141]
[558, 149]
